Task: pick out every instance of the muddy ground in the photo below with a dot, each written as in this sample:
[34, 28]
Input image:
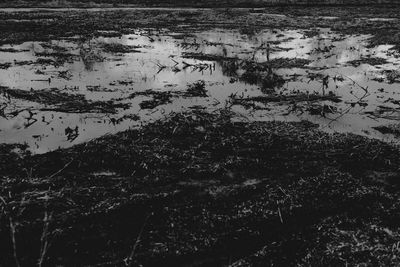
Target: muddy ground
[199, 187]
[204, 189]
[17, 27]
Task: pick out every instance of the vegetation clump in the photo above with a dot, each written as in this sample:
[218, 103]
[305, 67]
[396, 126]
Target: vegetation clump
[5, 66]
[118, 48]
[158, 98]
[373, 61]
[55, 100]
[280, 98]
[389, 129]
[197, 89]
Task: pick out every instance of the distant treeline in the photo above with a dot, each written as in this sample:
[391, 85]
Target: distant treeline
[205, 3]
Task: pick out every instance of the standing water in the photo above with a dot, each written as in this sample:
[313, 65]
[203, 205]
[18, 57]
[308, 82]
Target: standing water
[137, 78]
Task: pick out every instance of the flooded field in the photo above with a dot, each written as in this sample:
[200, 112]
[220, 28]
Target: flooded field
[200, 137]
[69, 90]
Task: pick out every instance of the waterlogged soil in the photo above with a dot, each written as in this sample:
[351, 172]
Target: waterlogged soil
[187, 141]
[120, 74]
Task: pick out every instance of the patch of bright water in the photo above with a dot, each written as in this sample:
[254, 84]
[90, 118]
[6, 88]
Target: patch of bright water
[383, 19]
[158, 64]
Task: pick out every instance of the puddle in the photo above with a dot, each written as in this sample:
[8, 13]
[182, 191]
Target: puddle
[382, 19]
[122, 70]
[321, 17]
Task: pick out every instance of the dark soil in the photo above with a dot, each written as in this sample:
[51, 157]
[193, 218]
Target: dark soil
[204, 189]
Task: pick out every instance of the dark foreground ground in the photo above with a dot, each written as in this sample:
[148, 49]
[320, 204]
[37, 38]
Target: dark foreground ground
[201, 189]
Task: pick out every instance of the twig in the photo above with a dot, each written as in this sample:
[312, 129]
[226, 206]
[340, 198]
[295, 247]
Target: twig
[176, 62]
[12, 232]
[279, 212]
[44, 241]
[14, 242]
[2, 200]
[63, 168]
[129, 260]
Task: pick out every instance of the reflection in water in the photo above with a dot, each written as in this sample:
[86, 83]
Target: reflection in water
[102, 69]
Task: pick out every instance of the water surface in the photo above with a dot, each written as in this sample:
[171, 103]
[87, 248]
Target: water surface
[157, 62]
